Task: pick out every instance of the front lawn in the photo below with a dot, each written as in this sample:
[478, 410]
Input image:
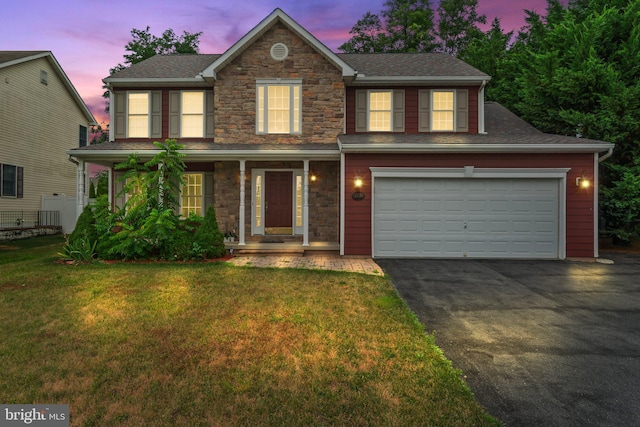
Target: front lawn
[212, 344]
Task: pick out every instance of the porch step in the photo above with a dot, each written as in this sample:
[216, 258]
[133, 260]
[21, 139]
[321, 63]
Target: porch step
[274, 251]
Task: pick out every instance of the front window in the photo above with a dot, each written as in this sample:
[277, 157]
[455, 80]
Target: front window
[380, 111]
[9, 177]
[138, 114]
[442, 118]
[191, 197]
[192, 114]
[278, 108]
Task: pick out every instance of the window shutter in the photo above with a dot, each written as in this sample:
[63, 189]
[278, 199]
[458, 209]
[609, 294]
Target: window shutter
[361, 110]
[156, 114]
[174, 114]
[19, 182]
[209, 122]
[424, 111]
[208, 191]
[462, 110]
[398, 111]
[120, 109]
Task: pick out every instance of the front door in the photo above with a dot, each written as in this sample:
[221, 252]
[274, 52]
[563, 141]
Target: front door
[278, 202]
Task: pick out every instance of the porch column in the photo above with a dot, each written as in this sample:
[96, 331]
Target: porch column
[305, 205]
[241, 213]
[80, 170]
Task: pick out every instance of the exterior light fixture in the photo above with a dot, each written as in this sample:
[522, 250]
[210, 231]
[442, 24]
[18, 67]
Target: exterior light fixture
[357, 183]
[313, 177]
[583, 181]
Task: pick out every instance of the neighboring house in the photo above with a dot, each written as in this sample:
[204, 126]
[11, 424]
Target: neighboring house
[41, 117]
[384, 155]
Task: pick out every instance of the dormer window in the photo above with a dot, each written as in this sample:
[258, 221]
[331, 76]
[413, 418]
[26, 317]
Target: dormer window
[278, 106]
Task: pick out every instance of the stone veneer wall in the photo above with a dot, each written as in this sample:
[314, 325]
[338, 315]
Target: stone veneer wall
[323, 196]
[323, 91]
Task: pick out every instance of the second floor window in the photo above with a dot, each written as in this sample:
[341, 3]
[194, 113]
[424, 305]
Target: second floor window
[82, 136]
[278, 107]
[138, 114]
[192, 118]
[442, 114]
[380, 109]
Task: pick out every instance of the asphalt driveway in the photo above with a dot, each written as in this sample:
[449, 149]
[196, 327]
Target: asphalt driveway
[541, 343]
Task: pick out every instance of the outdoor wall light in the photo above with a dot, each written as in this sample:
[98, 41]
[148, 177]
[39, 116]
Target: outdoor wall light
[313, 177]
[583, 181]
[357, 183]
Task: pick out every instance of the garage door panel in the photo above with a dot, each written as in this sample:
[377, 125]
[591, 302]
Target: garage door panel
[484, 218]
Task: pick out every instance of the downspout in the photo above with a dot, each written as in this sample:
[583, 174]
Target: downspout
[596, 202]
[605, 156]
[481, 129]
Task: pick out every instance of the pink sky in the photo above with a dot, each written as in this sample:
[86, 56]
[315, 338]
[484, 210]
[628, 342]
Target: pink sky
[87, 37]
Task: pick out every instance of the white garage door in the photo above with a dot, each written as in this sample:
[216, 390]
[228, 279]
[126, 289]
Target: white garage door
[476, 218]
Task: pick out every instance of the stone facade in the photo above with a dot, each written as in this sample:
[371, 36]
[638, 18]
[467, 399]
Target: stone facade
[323, 91]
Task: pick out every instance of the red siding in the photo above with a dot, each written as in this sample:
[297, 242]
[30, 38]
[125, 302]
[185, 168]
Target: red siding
[579, 208]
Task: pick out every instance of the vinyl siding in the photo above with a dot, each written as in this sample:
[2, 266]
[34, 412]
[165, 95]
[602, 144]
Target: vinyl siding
[39, 123]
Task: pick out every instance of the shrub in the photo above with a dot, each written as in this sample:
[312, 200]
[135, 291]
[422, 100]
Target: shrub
[85, 227]
[620, 202]
[208, 238]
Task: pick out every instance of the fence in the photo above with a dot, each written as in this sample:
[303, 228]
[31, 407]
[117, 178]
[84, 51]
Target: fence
[29, 219]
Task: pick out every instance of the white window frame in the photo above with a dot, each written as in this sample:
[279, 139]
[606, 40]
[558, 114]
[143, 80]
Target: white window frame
[201, 114]
[370, 110]
[262, 105]
[183, 196]
[128, 114]
[433, 109]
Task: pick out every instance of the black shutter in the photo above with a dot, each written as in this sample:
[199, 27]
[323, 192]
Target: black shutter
[19, 180]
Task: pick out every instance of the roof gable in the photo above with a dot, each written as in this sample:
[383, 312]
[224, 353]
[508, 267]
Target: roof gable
[276, 16]
[11, 58]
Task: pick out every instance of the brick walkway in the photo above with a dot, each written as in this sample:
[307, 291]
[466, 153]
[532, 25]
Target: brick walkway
[323, 262]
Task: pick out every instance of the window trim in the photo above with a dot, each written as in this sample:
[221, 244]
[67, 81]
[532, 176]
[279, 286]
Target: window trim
[295, 112]
[201, 196]
[128, 115]
[18, 183]
[453, 110]
[202, 113]
[390, 111]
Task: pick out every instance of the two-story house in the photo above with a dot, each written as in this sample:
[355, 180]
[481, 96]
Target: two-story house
[41, 117]
[384, 155]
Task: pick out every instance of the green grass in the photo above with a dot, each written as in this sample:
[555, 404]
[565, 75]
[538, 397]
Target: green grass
[212, 344]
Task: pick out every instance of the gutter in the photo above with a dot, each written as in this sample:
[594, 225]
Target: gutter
[72, 160]
[605, 156]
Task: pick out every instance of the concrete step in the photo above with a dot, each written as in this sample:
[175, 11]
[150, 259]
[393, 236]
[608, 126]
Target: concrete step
[274, 251]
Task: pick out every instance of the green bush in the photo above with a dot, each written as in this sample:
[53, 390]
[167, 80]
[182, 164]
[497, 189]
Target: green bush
[620, 202]
[208, 239]
[85, 227]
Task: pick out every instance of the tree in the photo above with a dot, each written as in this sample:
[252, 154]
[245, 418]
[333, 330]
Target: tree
[402, 26]
[488, 53]
[409, 24]
[368, 36]
[457, 25]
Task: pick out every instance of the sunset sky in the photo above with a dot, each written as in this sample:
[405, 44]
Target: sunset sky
[87, 37]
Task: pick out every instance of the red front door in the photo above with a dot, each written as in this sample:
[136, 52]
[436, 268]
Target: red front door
[278, 199]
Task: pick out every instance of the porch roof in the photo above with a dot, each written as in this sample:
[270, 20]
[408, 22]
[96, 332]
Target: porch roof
[111, 152]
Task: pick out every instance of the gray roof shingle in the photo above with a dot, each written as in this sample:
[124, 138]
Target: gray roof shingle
[410, 65]
[167, 67]
[12, 55]
[368, 64]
